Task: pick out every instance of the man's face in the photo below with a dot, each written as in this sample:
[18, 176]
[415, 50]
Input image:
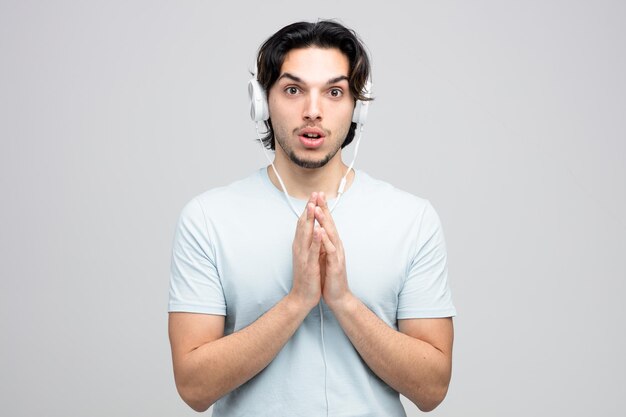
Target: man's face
[311, 106]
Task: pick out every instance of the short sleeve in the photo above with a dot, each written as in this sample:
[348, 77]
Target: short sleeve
[426, 293]
[195, 285]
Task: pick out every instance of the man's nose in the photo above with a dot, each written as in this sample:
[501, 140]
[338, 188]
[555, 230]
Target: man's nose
[313, 107]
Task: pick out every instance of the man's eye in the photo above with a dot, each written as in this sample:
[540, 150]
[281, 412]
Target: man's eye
[291, 90]
[336, 92]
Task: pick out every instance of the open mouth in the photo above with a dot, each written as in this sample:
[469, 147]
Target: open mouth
[312, 135]
[311, 140]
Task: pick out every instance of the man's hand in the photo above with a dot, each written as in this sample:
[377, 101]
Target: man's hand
[332, 258]
[307, 280]
[319, 265]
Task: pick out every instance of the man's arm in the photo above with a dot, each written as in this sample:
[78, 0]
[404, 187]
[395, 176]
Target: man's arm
[416, 361]
[208, 365]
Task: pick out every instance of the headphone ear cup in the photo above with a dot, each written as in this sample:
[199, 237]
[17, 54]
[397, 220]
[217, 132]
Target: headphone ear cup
[259, 109]
[359, 115]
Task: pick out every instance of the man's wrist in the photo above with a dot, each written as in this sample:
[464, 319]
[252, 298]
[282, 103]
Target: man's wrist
[346, 305]
[298, 305]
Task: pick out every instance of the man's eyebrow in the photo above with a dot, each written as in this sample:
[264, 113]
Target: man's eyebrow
[299, 80]
[337, 79]
[290, 76]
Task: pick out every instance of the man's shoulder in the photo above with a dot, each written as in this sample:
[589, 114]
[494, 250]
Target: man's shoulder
[226, 198]
[390, 195]
[395, 207]
[241, 186]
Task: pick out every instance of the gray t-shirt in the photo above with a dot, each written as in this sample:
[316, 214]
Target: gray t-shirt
[232, 256]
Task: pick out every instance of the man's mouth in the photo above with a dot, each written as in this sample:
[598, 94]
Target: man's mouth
[312, 135]
[311, 138]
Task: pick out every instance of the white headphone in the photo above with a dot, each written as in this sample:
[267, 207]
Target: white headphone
[259, 109]
[259, 112]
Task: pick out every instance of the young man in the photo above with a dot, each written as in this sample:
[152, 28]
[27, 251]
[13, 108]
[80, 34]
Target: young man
[333, 312]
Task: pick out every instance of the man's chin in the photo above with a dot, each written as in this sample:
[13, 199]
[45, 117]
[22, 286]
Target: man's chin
[309, 163]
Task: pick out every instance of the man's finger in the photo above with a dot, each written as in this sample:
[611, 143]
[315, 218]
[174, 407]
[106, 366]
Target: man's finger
[321, 201]
[328, 245]
[306, 221]
[306, 214]
[326, 221]
[316, 244]
[323, 204]
[312, 202]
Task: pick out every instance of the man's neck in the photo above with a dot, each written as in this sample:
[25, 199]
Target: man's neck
[301, 182]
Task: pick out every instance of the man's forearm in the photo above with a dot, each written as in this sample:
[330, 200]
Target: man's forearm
[213, 369]
[413, 367]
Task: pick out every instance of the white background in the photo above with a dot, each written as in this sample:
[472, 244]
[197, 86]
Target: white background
[508, 116]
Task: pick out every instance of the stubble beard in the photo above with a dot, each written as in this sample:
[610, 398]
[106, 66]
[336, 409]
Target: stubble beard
[310, 163]
[306, 163]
